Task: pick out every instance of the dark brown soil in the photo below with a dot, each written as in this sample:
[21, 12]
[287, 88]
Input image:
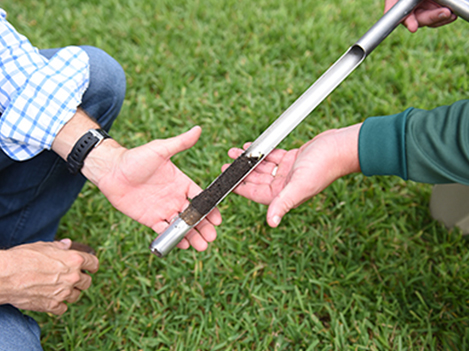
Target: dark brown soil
[203, 203]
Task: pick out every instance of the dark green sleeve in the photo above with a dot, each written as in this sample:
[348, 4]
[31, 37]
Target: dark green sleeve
[420, 145]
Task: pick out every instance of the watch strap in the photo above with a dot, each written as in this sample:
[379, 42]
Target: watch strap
[84, 145]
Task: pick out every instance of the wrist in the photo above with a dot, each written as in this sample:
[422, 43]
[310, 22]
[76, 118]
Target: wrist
[350, 162]
[102, 160]
[90, 140]
[5, 260]
[71, 132]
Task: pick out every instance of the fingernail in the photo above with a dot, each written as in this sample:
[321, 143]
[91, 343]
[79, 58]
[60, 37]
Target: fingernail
[276, 220]
[66, 242]
[443, 15]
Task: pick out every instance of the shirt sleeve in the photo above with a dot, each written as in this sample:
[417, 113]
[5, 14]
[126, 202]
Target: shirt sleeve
[37, 96]
[427, 146]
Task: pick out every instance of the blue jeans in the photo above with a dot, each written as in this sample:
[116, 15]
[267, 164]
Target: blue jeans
[35, 194]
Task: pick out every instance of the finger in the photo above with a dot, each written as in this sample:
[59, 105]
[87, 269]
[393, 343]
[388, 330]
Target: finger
[214, 217]
[276, 211]
[172, 146]
[90, 262]
[258, 178]
[160, 227]
[84, 282]
[276, 156]
[59, 309]
[388, 4]
[266, 167]
[434, 18]
[207, 231]
[74, 296]
[260, 193]
[183, 244]
[246, 145]
[411, 23]
[262, 178]
[442, 23]
[234, 153]
[196, 240]
[63, 244]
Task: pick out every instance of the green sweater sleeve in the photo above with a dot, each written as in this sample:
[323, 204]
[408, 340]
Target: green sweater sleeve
[424, 146]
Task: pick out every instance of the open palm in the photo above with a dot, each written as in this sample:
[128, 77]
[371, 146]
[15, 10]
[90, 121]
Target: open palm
[146, 186]
[286, 179]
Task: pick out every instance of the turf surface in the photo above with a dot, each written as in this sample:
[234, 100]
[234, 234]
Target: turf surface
[362, 266]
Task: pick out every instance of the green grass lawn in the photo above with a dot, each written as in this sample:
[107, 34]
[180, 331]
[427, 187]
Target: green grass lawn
[362, 266]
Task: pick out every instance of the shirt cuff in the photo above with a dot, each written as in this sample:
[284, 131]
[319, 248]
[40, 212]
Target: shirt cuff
[47, 101]
[382, 147]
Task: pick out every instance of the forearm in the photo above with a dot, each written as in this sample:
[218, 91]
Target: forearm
[420, 145]
[98, 160]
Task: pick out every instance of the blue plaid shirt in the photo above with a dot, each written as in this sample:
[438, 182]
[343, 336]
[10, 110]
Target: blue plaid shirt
[37, 96]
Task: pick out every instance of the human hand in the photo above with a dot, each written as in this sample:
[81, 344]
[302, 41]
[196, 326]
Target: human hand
[286, 179]
[145, 185]
[426, 14]
[44, 275]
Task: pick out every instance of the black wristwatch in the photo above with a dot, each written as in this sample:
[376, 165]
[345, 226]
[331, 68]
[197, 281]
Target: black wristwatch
[82, 148]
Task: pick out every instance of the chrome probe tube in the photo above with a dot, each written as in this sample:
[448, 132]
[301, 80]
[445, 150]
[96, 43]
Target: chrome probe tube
[208, 199]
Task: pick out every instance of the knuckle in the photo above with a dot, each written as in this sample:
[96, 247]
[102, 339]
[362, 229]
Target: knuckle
[54, 305]
[68, 292]
[77, 259]
[75, 278]
[64, 293]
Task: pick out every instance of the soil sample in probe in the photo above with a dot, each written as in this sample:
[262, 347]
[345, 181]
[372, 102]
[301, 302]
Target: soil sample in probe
[203, 203]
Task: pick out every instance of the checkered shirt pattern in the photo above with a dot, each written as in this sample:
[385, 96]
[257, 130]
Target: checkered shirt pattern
[37, 96]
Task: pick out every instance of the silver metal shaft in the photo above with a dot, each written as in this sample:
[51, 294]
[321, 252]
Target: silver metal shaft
[307, 102]
[331, 79]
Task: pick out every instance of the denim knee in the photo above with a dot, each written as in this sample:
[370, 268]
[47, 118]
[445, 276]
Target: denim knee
[18, 332]
[106, 92]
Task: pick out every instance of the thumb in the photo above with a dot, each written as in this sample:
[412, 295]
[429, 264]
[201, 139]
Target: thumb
[64, 244]
[180, 142]
[289, 198]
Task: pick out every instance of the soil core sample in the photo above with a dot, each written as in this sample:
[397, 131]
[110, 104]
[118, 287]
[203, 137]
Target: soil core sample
[203, 203]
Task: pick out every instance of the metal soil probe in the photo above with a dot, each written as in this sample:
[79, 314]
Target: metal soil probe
[208, 199]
